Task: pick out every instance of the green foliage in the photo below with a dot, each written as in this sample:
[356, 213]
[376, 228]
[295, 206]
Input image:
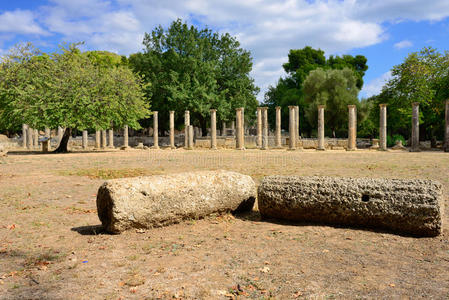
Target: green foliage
[336, 89]
[195, 70]
[290, 90]
[391, 140]
[68, 89]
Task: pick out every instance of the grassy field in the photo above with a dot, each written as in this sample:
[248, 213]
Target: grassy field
[52, 247]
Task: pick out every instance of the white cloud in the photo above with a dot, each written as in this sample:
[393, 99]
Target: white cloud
[20, 22]
[374, 87]
[403, 44]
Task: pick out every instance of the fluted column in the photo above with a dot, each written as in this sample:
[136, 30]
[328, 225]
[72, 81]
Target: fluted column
[321, 127]
[291, 127]
[24, 135]
[213, 129]
[97, 139]
[297, 124]
[186, 129]
[30, 138]
[36, 138]
[111, 138]
[446, 132]
[190, 135]
[125, 137]
[352, 128]
[264, 128]
[103, 139]
[172, 129]
[278, 141]
[239, 129]
[383, 127]
[415, 128]
[85, 139]
[259, 127]
[155, 130]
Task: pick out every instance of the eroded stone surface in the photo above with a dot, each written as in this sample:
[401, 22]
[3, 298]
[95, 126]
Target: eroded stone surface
[153, 201]
[407, 206]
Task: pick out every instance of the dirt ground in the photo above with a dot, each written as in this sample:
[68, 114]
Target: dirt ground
[52, 247]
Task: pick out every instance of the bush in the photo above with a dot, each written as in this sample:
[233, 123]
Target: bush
[391, 140]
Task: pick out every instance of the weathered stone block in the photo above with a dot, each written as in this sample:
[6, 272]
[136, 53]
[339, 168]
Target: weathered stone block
[407, 206]
[153, 201]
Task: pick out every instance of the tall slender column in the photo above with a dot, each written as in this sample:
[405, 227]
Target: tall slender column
[103, 139]
[243, 127]
[30, 138]
[85, 139]
[259, 127]
[172, 129]
[186, 129]
[36, 138]
[239, 129]
[352, 128]
[48, 135]
[297, 124]
[278, 143]
[24, 135]
[321, 127]
[190, 135]
[60, 134]
[446, 131]
[155, 130]
[265, 128]
[97, 139]
[383, 127]
[223, 128]
[415, 127]
[111, 138]
[213, 129]
[125, 137]
[291, 127]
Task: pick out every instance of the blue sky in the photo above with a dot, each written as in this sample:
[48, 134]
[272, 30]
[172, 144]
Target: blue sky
[384, 31]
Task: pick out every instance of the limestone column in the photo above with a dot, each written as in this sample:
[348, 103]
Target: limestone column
[85, 139]
[415, 127]
[321, 127]
[125, 137]
[259, 127]
[190, 135]
[446, 132]
[186, 129]
[291, 127]
[103, 139]
[243, 126]
[265, 128]
[383, 127]
[239, 129]
[48, 135]
[223, 128]
[155, 130]
[352, 128]
[213, 129]
[24, 135]
[172, 129]
[60, 134]
[297, 123]
[97, 139]
[278, 142]
[111, 138]
[36, 138]
[30, 138]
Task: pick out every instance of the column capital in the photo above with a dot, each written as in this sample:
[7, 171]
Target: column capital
[383, 105]
[321, 106]
[259, 108]
[291, 106]
[155, 111]
[172, 111]
[351, 106]
[239, 109]
[212, 110]
[278, 107]
[415, 104]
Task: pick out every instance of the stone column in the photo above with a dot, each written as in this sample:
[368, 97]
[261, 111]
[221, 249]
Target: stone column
[446, 132]
[321, 127]
[97, 139]
[352, 128]
[24, 135]
[36, 138]
[48, 135]
[223, 128]
[111, 138]
[85, 139]
[172, 129]
[125, 137]
[383, 127]
[239, 129]
[415, 128]
[259, 127]
[291, 127]
[213, 129]
[103, 139]
[243, 126]
[297, 124]
[265, 128]
[30, 138]
[186, 129]
[155, 130]
[60, 134]
[278, 141]
[190, 136]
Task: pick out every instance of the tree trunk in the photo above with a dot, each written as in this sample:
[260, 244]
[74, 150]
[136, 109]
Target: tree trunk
[62, 148]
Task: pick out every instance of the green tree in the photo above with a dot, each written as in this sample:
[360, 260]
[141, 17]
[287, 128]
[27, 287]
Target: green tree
[67, 89]
[195, 70]
[336, 89]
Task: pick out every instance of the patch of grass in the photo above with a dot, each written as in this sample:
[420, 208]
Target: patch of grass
[97, 173]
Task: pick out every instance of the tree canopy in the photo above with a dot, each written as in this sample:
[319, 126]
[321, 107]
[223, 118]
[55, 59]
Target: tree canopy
[195, 69]
[67, 88]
